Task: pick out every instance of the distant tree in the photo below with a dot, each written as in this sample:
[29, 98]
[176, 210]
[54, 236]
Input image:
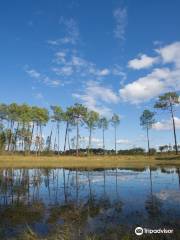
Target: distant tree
[2, 140]
[168, 102]
[146, 121]
[13, 111]
[161, 148]
[69, 120]
[115, 121]
[103, 124]
[174, 147]
[3, 112]
[79, 115]
[91, 121]
[40, 118]
[152, 150]
[58, 117]
[137, 150]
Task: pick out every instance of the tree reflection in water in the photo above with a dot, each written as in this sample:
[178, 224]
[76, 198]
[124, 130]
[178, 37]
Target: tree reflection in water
[152, 204]
[73, 203]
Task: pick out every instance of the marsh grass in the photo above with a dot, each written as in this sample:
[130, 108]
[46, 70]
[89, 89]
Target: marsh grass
[115, 233]
[131, 161]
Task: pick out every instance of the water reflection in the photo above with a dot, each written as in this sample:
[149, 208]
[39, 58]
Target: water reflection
[87, 201]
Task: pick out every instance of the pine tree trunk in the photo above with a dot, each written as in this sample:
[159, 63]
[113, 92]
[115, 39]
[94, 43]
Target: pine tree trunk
[69, 145]
[40, 142]
[103, 142]
[89, 145]
[174, 129]
[115, 139]
[55, 144]
[15, 138]
[67, 126]
[37, 139]
[58, 136]
[77, 139]
[147, 131]
[49, 147]
[32, 132]
[10, 137]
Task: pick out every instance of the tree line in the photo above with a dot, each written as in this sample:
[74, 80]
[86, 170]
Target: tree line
[21, 127]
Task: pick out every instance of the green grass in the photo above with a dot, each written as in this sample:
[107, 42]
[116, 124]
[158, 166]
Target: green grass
[127, 161]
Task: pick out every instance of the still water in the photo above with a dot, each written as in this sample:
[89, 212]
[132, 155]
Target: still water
[89, 202]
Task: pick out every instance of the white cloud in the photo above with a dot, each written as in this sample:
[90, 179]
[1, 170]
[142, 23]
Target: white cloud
[54, 83]
[170, 53]
[71, 32]
[123, 141]
[91, 103]
[100, 92]
[61, 56]
[95, 142]
[145, 88]
[78, 61]
[38, 95]
[103, 72]
[142, 62]
[63, 71]
[170, 195]
[43, 78]
[166, 124]
[33, 73]
[69, 63]
[157, 82]
[120, 16]
[95, 96]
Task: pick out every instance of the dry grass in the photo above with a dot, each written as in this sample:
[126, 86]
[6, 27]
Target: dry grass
[130, 161]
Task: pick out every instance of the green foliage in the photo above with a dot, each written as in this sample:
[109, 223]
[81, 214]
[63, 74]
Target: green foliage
[137, 150]
[69, 115]
[103, 123]
[58, 114]
[167, 100]
[2, 140]
[115, 120]
[3, 112]
[147, 119]
[79, 112]
[39, 115]
[91, 119]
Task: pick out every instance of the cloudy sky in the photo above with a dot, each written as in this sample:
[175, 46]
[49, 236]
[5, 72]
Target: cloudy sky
[113, 56]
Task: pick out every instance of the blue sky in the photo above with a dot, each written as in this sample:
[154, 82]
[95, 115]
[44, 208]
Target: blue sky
[112, 56]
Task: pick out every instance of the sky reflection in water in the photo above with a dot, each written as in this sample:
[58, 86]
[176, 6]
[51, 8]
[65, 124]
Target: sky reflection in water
[44, 197]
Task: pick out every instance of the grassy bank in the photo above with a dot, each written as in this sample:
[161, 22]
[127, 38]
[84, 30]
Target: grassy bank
[131, 161]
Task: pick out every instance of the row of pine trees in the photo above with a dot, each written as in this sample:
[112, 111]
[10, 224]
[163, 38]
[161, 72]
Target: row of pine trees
[21, 125]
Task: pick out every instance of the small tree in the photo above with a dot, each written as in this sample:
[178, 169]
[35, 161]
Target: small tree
[68, 119]
[58, 116]
[146, 121]
[115, 121]
[103, 124]
[91, 121]
[2, 140]
[168, 102]
[161, 148]
[79, 115]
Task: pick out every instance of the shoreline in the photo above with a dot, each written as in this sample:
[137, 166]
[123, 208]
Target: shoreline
[121, 161]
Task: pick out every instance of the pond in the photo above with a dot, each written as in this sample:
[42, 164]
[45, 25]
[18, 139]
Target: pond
[89, 204]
